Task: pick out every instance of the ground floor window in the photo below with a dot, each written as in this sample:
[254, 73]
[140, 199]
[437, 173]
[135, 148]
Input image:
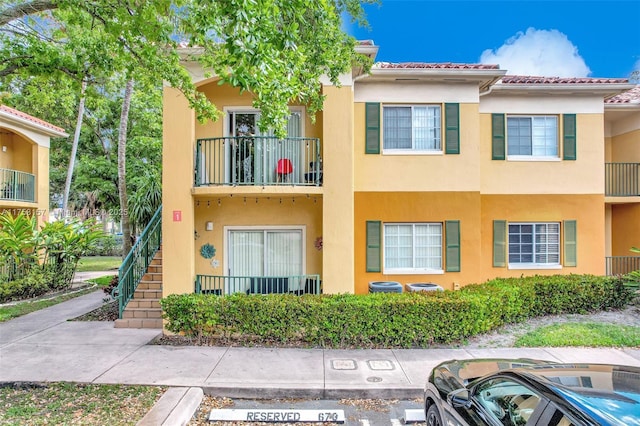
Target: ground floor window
[412, 247]
[534, 244]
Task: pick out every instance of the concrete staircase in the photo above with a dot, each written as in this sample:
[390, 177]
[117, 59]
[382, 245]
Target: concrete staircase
[143, 310]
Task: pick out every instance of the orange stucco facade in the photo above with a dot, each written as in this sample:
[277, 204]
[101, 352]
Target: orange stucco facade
[465, 185]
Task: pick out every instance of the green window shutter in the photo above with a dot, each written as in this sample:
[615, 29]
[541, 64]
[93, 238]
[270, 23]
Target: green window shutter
[452, 128]
[497, 137]
[569, 137]
[372, 124]
[500, 243]
[452, 235]
[570, 243]
[374, 252]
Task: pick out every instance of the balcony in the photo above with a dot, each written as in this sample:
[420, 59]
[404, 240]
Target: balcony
[622, 179]
[17, 186]
[224, 285]
[620, 265]
[258, 161]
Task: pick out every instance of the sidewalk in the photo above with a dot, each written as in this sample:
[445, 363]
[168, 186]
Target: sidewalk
[44, 346]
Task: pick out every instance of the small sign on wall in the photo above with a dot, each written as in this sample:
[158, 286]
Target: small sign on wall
[177, 215]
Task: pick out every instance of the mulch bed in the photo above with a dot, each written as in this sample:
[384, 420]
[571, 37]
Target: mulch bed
[106, 312]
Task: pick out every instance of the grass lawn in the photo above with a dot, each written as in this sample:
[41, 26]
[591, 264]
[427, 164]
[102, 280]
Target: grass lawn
[69, 403]
[8, 312]
[99, 263]
[582, 334]
[102, 281]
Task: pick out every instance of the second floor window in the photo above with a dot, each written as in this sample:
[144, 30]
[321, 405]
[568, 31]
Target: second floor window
[412, 128]
[535, 136]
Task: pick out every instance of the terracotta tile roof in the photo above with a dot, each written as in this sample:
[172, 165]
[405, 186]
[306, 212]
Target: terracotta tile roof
[31, 118]
[365, 43]
[522, 79]
[629, 97]
[433, 65]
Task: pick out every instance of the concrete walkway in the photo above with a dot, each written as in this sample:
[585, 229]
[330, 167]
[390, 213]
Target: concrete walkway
[44, 346]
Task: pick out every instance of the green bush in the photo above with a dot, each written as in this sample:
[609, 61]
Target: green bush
[376, 320]
[37, 283]
[108, 246]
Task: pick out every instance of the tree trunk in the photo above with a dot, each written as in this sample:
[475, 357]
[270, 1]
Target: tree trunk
[122, 169]
[74, 150]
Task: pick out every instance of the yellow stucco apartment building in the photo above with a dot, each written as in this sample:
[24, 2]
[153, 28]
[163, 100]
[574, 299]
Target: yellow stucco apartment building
[415, 172]
[24, 163]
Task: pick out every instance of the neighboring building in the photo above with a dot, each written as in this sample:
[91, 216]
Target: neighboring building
[444, 173]
[24, 162]
[622, 177]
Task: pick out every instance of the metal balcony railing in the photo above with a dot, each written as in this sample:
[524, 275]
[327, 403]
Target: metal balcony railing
[258, 161]
[17, 186]
[622, 179]
[620, 265]
[225, 285]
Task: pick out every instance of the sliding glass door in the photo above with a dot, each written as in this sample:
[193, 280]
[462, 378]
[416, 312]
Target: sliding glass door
[254, 157]
[264, 253]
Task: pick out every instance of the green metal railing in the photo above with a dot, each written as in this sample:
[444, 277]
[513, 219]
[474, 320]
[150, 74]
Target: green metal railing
[622, 179]
[137, 262]
[258, 161]
[17, 186]
[620, 265]
[225, 285]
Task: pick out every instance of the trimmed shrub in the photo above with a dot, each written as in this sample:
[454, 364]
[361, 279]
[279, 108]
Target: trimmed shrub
[37, 283]
[391, 320]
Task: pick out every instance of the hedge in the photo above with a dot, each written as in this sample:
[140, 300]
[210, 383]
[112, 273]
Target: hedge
[36, 283]
[389, 320]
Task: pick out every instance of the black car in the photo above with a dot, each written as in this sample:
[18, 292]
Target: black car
[503, 392]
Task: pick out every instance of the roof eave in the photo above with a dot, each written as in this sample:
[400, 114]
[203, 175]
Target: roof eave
[39, 128]
[484, 77]
[601, 89]
[627, 106]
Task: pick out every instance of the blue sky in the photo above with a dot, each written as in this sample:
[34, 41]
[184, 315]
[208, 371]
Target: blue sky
[571, 38]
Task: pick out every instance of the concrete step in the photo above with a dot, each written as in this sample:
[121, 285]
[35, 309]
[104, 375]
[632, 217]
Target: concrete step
[141, 313]
[138, 323]
[143, 303]
[152, 276]
[147, 294]
[156, 262]
[150, 285]
[154, 269]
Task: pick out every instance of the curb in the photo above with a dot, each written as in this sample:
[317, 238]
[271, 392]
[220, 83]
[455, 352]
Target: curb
[313, 393]
[176, 407]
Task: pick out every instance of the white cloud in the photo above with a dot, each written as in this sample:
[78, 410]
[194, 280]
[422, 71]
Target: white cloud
[538, 53]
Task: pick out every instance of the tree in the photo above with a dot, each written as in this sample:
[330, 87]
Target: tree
[277, 49]
[122, 181]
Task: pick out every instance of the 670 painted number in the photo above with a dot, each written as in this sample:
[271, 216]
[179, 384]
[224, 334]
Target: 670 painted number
[328, 417]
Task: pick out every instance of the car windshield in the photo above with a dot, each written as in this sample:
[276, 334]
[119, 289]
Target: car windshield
[608, 406]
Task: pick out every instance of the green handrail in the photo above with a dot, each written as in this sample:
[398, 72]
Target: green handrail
[137, 262]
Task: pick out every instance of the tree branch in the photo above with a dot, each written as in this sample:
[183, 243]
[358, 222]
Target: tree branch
[24, 9]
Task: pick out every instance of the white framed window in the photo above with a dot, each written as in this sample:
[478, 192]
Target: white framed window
[412, 248]
[530, 137]
[414, 128]
[534, 245]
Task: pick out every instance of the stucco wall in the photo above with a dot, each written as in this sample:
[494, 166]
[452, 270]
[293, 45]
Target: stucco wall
[587, 210]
